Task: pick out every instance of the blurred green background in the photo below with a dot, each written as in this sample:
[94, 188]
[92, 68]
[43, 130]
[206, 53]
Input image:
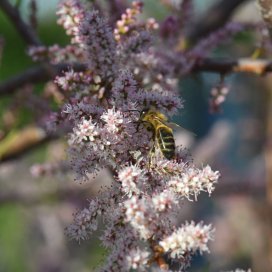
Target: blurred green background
[34, 212]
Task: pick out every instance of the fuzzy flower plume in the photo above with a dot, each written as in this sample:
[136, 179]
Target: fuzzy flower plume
[116, 76]
[99, 44]
[86, 220]
[131, 42]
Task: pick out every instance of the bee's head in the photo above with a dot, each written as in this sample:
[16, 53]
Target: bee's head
[144, 112]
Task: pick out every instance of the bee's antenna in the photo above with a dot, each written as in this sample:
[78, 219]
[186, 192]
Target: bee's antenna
[134, 110]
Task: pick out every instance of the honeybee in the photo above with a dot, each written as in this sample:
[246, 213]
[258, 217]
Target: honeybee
[162, 133]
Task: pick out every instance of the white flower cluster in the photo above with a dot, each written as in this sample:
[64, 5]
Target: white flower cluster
[113, 119]
[141, 216]
[85, 131]
[138, 259]
[188, 238]
[132, 179]
[193, 181]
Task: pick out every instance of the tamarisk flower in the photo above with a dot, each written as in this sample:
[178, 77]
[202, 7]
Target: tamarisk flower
[125, 76]
[132, 178]
[56, 54]
[99, 43]
[128, 19]
[188, 238]
[193, 181]
[86, 220]
[138, 259]
[117, 74]
[136, 43]
[113, 119]
[74, 80]
[129, 41]
[70, 14]
[218, 96]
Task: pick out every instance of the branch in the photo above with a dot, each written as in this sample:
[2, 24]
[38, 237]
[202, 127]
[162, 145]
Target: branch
[35, 75]
[243, 65]
[21, 141]
[46, 72]
[214, 18]
[25, 30]
[36, 196]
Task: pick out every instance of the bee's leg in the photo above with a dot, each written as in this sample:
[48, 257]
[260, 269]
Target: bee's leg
[151, 156]
[138, 123]
[152, 151]
[146, 124]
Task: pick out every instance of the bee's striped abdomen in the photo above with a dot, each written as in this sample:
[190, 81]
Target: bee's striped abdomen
[166, 141]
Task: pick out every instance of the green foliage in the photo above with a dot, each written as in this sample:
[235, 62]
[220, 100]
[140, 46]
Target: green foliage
[15, 59]
[12, 239]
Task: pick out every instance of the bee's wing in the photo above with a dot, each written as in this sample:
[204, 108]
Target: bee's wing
[188, 131]
[174, 126]
[171, 125]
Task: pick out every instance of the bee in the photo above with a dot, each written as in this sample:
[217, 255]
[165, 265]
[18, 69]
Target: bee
[162, 133]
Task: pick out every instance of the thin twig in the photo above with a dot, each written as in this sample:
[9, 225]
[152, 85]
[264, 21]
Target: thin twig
[36, 74]
[22, 141]
[117, 8]
[33, 14]
[214, 18]
[25, 30]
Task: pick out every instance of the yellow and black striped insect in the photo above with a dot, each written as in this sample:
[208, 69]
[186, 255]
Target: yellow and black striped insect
[162, 133]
